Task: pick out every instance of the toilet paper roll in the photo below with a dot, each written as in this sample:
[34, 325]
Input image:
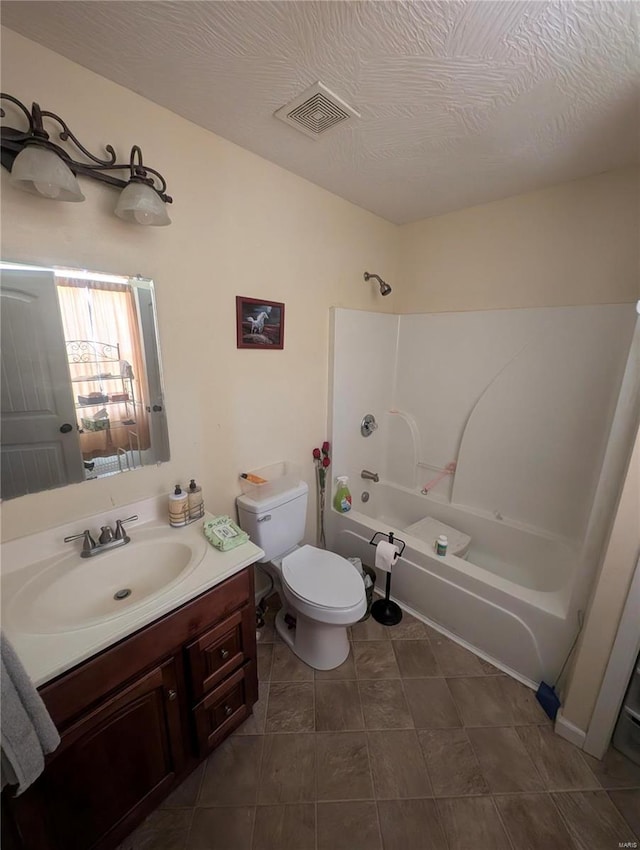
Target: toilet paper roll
[386, 555]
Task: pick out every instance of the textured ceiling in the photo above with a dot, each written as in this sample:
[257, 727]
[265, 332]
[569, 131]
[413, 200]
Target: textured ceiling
[461, 102]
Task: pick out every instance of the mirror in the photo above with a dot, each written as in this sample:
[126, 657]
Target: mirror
[81, 393]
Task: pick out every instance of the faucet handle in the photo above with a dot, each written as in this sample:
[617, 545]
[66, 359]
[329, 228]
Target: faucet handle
[88, 544]
[120, 532]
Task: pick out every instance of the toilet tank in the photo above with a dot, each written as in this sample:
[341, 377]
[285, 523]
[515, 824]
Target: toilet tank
[276, 523]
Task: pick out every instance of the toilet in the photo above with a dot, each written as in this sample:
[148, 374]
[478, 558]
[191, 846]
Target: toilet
[323, 591]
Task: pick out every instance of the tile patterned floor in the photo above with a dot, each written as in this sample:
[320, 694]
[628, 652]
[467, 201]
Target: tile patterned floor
[414, 743]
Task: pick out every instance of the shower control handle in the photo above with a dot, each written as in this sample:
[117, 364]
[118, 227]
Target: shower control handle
[368, 425]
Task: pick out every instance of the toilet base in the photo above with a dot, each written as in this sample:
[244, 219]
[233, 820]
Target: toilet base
[320, 645]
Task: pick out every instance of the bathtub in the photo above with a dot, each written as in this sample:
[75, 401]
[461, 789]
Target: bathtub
[509, 599]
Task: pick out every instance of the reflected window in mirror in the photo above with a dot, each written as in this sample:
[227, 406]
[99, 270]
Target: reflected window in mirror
[82, 394]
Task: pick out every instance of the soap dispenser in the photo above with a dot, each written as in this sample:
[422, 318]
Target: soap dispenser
[196, 502]
[178, 507]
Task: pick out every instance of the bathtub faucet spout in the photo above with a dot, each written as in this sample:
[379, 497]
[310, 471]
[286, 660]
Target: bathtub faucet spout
[370, 476]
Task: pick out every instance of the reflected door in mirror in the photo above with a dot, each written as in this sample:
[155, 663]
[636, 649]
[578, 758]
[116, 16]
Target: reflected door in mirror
[40, 444]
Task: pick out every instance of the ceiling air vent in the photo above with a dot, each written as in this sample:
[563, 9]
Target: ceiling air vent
[316, 111]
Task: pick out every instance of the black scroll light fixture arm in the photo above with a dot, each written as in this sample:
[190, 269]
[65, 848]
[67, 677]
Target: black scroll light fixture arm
[13, 141]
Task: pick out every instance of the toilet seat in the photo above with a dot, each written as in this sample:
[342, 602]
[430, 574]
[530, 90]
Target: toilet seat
[322, 579]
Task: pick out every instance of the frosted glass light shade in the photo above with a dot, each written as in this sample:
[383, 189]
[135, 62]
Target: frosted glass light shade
[42, 172]
[141, 204]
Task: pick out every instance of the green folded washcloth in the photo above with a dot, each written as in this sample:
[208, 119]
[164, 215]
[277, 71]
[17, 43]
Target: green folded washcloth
[223, 533]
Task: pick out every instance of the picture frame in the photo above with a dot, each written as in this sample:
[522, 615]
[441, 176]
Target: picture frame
[259, 324]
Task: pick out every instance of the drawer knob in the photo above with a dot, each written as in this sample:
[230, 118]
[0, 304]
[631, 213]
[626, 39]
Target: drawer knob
[172, 695]
[224, 654]
[228, 711]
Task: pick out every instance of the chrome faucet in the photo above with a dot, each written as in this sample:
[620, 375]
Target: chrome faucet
[370, 476]
[107, 539]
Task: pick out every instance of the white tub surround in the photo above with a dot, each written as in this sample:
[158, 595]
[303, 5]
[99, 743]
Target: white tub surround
[523, 402]
[49, 646]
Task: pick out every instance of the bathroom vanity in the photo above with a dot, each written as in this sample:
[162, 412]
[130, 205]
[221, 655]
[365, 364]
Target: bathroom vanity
[136, 717]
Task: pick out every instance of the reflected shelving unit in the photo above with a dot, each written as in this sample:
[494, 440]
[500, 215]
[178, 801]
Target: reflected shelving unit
[109, 409]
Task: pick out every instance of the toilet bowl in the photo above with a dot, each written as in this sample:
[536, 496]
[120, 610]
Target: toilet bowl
[321, 591]
[324, 594]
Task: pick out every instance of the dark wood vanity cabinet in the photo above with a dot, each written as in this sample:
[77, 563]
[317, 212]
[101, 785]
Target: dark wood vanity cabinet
[127, 750]
[137, 718]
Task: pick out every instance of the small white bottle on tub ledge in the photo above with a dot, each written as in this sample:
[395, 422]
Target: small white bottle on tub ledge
[441, 544]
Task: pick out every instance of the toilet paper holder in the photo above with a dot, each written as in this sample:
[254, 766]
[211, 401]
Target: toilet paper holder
[384, 610]
[390, 537]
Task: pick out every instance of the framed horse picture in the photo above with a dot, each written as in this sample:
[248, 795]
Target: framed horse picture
[259, 323]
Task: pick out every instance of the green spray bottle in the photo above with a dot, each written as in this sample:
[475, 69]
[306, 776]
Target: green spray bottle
[342, 499]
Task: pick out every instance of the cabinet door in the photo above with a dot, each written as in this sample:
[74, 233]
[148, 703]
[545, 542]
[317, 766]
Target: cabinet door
[120, 757]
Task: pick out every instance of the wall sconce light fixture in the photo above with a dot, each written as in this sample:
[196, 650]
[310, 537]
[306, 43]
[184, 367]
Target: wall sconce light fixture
[41, 167]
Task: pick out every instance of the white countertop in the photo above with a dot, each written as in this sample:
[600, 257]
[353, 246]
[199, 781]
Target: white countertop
[48, 654]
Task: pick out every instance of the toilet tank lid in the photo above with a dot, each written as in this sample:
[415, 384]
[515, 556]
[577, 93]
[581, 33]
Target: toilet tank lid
[323, 578]
[254, 504]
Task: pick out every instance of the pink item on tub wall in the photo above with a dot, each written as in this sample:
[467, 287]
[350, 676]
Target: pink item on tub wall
[449, 469]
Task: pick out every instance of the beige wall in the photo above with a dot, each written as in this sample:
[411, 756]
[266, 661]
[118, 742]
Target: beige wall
[607, 602]
[241, 226]
[574, 243]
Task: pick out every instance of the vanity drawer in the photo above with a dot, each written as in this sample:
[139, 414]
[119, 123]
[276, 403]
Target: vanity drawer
[220, 651]
[225, 708]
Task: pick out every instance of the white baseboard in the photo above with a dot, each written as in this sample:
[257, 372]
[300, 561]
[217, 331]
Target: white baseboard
[569, 732]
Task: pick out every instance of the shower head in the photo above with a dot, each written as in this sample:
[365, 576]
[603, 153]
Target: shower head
[385, 289]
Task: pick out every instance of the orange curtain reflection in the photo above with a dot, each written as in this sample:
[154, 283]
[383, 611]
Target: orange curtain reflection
[101, 312]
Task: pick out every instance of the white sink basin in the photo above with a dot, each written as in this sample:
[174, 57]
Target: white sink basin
[76, 593]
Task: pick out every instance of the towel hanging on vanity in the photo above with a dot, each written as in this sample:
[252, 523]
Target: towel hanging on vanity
[28, 733]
